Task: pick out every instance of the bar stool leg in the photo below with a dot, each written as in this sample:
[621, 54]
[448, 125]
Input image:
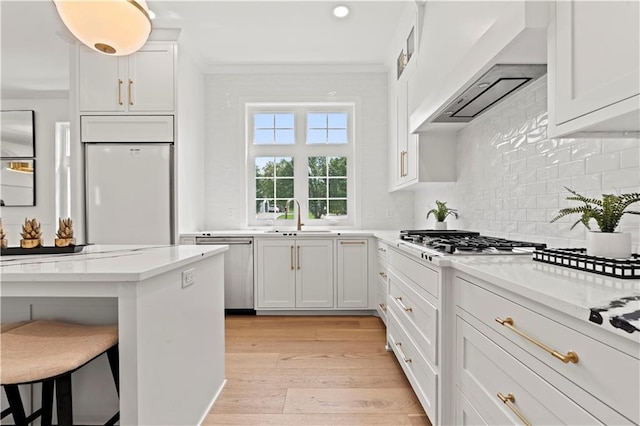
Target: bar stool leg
[114, 363]
[47, 402]
[64, 403]
[15, 402]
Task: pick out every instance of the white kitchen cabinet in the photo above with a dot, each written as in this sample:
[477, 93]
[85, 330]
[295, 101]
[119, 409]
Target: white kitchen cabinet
[424, 157]
[382, 286]
[594, 68]
[353, 277]
[413, 325]
[141, 82]
[294, 273]
[493, 355]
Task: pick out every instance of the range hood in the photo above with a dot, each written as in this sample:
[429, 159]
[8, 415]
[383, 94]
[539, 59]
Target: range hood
[496, 84]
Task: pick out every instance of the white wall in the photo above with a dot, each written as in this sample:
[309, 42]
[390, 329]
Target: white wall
[225, 182]
[47, 112]
[511, 177]
[190, 142]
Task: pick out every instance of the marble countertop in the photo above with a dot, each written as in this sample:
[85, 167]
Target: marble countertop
[610, 302]
[103, 263]
[320, 232]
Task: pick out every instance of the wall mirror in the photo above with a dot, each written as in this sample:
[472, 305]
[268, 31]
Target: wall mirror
[17, 135]
[18, 186]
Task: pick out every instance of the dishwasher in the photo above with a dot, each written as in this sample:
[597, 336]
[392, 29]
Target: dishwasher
[238, 272]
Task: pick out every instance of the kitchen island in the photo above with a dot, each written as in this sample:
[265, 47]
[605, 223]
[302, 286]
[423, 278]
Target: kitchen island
[168, 302]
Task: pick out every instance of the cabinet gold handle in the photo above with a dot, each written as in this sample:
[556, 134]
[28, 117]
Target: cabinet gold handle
[406, 309]
[404, 357]
[298, 258]
[352, 242]
[571, 356]
[401, 163]
[383, 275]
[292, 258]
[119, 92]
[509, 400]
[406, 163]
[382, 250]
[383, 307]
[130, 97]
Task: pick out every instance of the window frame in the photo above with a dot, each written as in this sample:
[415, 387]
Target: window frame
[301, 151]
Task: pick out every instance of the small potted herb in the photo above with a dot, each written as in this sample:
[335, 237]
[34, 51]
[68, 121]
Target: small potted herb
[607, 213]
[441, 212]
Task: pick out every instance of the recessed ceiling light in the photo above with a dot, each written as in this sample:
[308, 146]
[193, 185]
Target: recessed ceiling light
[340, 11]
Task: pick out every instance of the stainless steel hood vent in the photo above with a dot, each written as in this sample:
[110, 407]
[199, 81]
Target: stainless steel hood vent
[497, 83]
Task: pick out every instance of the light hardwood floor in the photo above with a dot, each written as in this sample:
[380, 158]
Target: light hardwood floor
[319, 370]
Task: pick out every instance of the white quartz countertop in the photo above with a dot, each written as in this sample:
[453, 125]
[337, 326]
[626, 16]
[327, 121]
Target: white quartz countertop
[103, 263]
[330, 233]
[587, 296]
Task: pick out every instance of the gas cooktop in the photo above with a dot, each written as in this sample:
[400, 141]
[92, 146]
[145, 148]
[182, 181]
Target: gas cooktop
[461, 242]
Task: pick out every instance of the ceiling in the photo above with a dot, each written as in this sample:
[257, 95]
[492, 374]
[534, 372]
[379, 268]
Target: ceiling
[34, 42]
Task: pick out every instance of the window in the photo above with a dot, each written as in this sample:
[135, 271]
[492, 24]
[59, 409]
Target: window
[302, 152]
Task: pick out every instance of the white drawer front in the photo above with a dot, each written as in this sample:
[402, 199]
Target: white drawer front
[612, 376]
[466, 413]
[423, 379]
[130, 128]
[419, 273]
[416, 314]
[484, 370]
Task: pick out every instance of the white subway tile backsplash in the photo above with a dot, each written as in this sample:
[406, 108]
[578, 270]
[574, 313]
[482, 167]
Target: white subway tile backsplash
[573, 168]
[536, 162]
[547, 173]
[586, 182]
[557, 156]
[603, 163]
[621, 178]
[630, 158]
[510, 186]
[547, 201]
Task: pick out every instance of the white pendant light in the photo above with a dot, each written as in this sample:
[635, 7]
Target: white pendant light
[113, 27]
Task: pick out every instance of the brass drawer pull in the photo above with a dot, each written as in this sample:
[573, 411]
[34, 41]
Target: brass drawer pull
[298, 258]
[130, 96]
[383, 275]
[292, 258]
[571, 356]
[352, 242]
[406, 309]
[120, 92]
[509, 400]
[383, 307]
[404, 357]
[382, 250]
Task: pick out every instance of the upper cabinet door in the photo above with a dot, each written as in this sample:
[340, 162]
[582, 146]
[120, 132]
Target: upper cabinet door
[100, 79]
[595, 59]
[141, 82]
[150, 84]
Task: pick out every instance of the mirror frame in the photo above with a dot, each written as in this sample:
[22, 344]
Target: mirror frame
[24, 119]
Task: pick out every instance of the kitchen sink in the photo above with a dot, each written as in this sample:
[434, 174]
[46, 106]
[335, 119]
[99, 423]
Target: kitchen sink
[303, 232]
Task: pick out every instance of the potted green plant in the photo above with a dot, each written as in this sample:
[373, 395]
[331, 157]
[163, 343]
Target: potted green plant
[441, 212]
[607, 213]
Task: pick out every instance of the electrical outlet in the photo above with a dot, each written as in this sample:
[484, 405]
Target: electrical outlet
[231, 213]
[371, 213]
[188, 277]
[389, 213]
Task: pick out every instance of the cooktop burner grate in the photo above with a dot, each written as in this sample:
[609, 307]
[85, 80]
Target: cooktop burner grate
[465, 242]
[577, 258]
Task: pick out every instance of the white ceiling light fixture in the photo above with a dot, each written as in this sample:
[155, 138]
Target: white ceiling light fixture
[113, 27]
[340, 11]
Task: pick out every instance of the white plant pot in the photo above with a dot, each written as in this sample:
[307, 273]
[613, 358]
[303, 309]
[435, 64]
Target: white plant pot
[609, 244]
[440, 226]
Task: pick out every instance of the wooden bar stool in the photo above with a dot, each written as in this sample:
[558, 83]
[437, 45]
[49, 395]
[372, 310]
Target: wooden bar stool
[48, 352]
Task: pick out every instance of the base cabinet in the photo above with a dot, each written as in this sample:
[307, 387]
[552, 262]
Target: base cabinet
[294, 273]
[353, 276]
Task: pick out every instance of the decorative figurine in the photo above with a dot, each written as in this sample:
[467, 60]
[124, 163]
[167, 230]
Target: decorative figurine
[3, 236]
[65, 233]
[31, 234]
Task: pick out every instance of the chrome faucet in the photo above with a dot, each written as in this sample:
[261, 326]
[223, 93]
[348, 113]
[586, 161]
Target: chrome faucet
[299, 224]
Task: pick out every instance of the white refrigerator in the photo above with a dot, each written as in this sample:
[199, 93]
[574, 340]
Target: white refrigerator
[129, 193]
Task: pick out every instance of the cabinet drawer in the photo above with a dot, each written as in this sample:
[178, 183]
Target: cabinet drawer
[466, 413]
[422, 275]
[416, 314]
[131, 128]
[601, 370]
[423, 379]
[381, 302]
[485, 372]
